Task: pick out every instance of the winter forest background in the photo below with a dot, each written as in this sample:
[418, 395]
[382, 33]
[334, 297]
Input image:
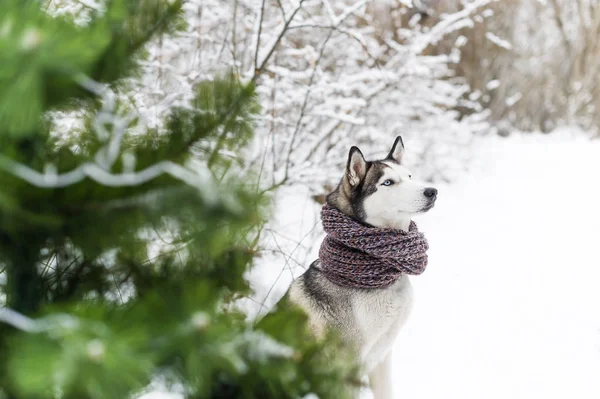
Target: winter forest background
[498, 104]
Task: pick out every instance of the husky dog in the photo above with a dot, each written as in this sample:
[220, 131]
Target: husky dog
[381, 194]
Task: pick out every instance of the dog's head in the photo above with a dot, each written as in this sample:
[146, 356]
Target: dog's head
[381, 193]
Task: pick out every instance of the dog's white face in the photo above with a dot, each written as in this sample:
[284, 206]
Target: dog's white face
[398, 198]
[384, 192]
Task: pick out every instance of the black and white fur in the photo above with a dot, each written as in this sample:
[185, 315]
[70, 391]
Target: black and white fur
[383, 194]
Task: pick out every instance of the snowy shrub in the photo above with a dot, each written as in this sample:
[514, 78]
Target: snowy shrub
[330, 74]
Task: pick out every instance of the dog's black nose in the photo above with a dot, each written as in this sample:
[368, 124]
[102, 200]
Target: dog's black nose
[430, 192]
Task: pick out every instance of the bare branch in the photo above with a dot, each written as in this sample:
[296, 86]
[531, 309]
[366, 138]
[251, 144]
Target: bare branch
[281, 9]
[260, 23]
[304, 105]
[260, 69]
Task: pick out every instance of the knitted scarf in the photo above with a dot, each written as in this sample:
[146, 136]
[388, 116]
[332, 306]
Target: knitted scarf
[355, 255]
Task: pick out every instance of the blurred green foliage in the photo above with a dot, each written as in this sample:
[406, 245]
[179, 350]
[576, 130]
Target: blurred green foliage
[133, 280]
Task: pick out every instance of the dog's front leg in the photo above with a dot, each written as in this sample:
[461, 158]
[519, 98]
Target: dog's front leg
[381, 379]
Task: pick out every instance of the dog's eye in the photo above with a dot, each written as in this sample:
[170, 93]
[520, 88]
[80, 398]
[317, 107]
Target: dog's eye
[388, 182]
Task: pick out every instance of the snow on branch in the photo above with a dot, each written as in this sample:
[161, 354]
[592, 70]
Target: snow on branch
[329, 74]
[450, 23]
[24, 323]
[99, 170]
[505, 44]
[50, 179]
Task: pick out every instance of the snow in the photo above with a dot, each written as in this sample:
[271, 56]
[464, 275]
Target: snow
[509, 307]
[512, 100]
[291, 242]
[492, 84]
[505, 44]
[261, 347]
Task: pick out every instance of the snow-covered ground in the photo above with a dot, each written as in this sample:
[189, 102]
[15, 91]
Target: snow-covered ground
[510, 304]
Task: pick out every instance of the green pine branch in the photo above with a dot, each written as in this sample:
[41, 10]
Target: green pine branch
[43, 58]
[134, 280]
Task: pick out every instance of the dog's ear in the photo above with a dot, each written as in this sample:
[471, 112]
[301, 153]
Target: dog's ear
[356, 169]
[397, 151]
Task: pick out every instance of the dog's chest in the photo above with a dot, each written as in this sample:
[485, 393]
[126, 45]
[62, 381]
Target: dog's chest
[368, 318]
[380, 314]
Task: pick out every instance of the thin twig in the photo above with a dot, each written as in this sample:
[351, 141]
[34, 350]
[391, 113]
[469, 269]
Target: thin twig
[304, 105]
[260, 69]
[281, 9]
[260, 23]
[287, 261]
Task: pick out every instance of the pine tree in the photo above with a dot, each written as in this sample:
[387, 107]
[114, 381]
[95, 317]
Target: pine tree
[92, 306]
